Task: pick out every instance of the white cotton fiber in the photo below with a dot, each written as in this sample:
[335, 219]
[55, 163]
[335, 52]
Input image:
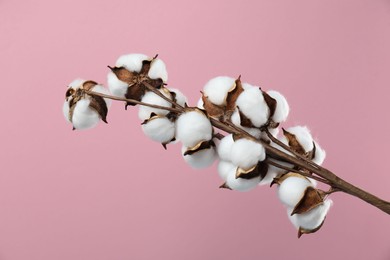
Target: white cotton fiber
[217, 89]
[224, 168]
[158, 70]
[246, 153]
[83, 116]
[240, 184]
[271, 174]
[180, 98]
[282, 107]
[200, 104]
[236, 120]
[319, 155]
[132, 62]
[117, 87]
[252, 104]
[193, 127]
[145, 112]
[77, 83]
[246, 86]
[273, 131]
[225, 147]
[159, 129]
[292, 189]
[303, 136]
[312, 219]
[200, 159]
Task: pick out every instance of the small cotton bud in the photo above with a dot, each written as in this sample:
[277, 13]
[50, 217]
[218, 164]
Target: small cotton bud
[311, 221]
[240, 184]
[200, 159]
[301, 134]
[193, 127]
[225, 147]
[282, 108]
[224, 168]
[319, 155]
[292, 189]
[145, 112]
[252, 104]
[246, 153]
[236, 120]
[216, 89]
[179, 97]
[158, 70]
[159, 129]
[83, 110]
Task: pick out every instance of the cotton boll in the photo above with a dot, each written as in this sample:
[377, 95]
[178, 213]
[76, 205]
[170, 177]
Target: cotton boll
[193, 127]
[235, 118]
[83, 116]
[132, 62]
[252, 104]
[320, 154]
[225, 147]
[273, 131]
[200, 159]
[117, 87]
[246, 86]
[312, 219]
[302, 135]
[292, 189]
[159, 129]
[158, 70]
[240, 184]
[246, 153]
[282, 108]
[180, 98]
[224, 168]
[217, 89]
[145, 112]
[272, 173]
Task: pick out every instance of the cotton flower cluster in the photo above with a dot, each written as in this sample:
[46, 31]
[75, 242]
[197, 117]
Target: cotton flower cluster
[85, 111]
[243, 162]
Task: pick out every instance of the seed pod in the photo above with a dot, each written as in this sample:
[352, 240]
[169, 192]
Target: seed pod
[159, 128]
[310, 221]
[192, 127]
[246, 153]
[291, 189]
[84, 111]
[201, 155]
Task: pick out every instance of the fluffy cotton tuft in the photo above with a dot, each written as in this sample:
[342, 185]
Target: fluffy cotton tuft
[159, 129]
[180, 98]
[84, 117]
[319, 155]
[217, 89]
[193, 127]
[312, 219]
[292, 189]
[236, 120]
[246, 153]
[224, 168]
[240, 184]
[302, 134]
[117, 87]
[282, 108]
[145, 112]
[225, 147]
[201, 159]
[158, 70]
[252, 104]
[132, 62]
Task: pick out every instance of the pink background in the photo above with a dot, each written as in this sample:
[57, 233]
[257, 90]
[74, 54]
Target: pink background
[110, 193]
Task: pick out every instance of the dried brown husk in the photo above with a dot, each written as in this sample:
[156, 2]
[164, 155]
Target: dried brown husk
[259, 170]
[297, 147]
[232, 96]
[311, 199]
[278, 180]
[199, 147]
